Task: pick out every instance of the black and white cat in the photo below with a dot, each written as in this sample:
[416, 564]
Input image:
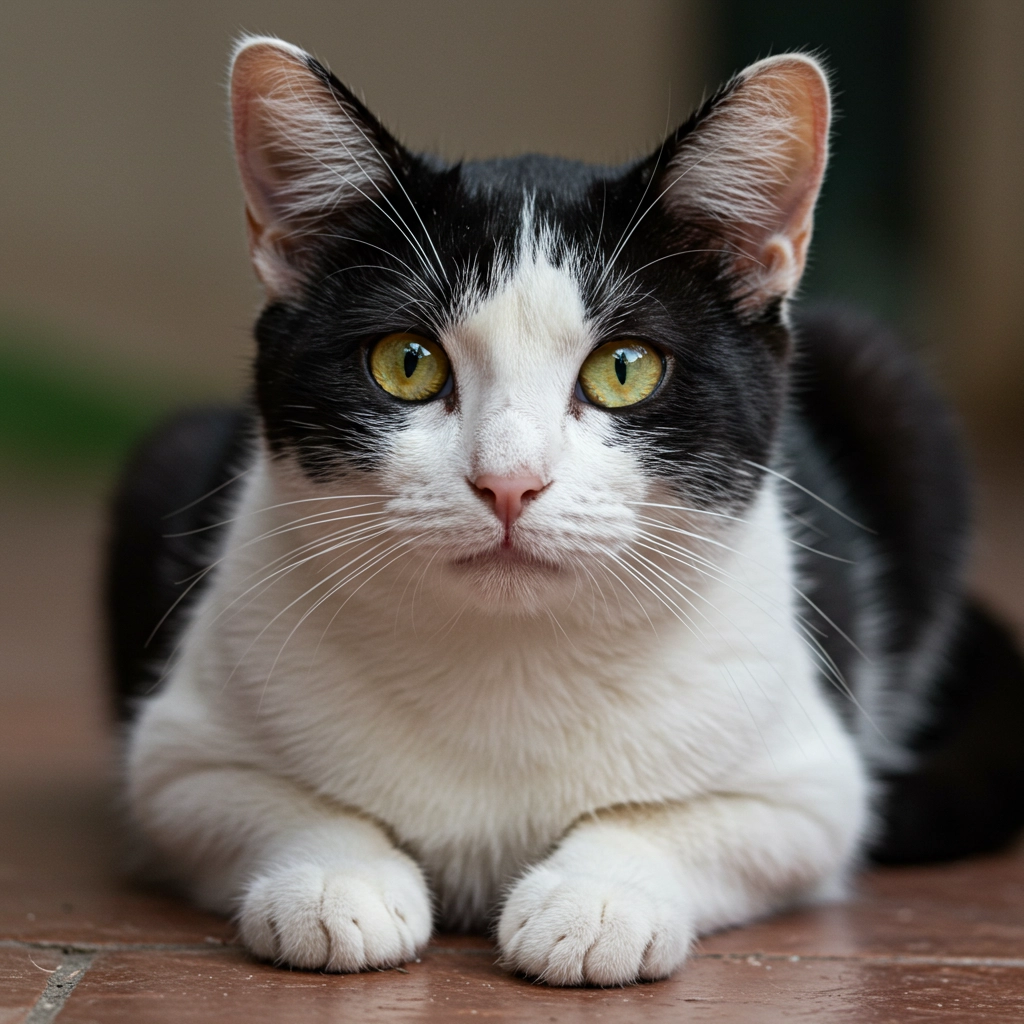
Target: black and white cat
[559, 581]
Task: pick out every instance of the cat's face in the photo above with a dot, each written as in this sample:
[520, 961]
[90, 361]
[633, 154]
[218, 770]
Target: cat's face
[529, 363]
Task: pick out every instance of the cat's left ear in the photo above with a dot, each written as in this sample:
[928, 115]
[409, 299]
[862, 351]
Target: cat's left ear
[307, 151]
[748, 168]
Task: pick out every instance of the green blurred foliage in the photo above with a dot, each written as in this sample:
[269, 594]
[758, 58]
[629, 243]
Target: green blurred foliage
[62, 416]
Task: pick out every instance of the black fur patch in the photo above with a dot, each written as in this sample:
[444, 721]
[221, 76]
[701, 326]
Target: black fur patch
[167, 530]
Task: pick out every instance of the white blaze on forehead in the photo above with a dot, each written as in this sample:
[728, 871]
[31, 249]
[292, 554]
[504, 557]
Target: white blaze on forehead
[516, 358]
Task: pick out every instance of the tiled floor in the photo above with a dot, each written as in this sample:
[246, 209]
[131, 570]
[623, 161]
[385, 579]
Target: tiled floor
[80, 943]
[919, 944]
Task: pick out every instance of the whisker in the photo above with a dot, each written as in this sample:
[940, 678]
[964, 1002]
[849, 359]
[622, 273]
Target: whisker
[618, 579]
[209, 494]
[673, 582]
[291, 604]
[740, 519]
[400, 224]
[169, 661]
[672, 184]
[379, 248]
[329, 544]
[326, 597]
[810, 494]
[686, 620]
[249, 515]
[201, 575]
[816, 649]
[743, 554]
[626, 232]
[671, 255]
[398, 182]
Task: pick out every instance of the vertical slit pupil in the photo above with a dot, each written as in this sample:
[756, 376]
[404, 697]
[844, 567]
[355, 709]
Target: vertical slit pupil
[620, 366]
[411, 361]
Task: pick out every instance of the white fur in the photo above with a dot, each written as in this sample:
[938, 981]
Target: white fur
[615, 757]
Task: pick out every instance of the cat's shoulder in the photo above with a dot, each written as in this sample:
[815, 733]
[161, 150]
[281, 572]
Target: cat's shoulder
[169, 514]
[871, 404]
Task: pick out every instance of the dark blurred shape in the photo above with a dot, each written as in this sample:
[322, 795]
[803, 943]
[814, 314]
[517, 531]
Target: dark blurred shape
[967, 793]
[970, 106]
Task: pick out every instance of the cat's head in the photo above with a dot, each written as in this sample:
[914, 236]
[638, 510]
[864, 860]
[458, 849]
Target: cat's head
[527, 358]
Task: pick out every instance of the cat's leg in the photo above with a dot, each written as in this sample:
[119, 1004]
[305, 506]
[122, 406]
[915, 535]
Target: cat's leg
[627, 890]
[312, 885]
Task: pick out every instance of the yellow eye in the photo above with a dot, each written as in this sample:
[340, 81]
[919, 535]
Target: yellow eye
[620, 373]
[409, 366]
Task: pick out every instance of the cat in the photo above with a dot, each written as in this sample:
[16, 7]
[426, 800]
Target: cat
[559, 579]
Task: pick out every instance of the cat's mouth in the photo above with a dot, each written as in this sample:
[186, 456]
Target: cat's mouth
[505, 558]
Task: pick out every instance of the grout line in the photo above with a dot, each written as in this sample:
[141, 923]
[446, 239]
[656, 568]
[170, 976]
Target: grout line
[88, 950]
[872, 958]
[868, 958]
[59, 987]
[455, 951]
[120, 947]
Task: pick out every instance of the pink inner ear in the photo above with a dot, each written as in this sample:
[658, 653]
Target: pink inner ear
[806, 97]
[784, 252]
[259, 72]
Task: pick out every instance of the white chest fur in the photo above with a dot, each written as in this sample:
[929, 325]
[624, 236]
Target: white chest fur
[479, 739]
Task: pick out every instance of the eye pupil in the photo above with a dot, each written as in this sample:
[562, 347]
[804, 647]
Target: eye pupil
[621, 366]
[411, 361]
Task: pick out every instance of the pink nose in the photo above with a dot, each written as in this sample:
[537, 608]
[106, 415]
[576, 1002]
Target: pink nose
[507, 494]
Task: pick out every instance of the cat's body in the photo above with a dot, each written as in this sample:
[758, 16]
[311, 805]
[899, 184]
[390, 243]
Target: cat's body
[505, 649]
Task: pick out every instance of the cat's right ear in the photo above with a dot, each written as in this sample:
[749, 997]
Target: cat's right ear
[306, 148]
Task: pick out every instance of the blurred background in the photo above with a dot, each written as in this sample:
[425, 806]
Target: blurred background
[125, 288]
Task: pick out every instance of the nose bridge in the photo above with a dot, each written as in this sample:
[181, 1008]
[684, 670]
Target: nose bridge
[515, 406]
[511, 441]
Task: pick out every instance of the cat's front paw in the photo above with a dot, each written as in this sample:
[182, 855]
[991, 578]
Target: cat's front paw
[587, 926]
[347, 917]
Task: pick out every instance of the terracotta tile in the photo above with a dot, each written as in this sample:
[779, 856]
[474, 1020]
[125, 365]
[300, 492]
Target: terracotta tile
[223, 986]
[973, 908]
[23, 976]
[449, 943]
[62, 878]
[80, 916]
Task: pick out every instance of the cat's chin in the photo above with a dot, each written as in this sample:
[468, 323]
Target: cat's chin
[505, 560]
[508, 578]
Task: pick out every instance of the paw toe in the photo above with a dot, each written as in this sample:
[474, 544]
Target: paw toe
[668, 948]
[617, 952]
